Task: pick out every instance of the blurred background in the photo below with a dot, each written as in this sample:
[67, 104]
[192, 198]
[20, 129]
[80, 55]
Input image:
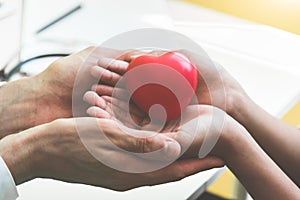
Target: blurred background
[282, 14]
[257, 41]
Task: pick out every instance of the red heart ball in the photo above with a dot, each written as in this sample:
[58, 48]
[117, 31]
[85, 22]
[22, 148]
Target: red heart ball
[169, 80]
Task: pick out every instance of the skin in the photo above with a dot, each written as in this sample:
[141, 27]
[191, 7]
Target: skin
[47, 96]
[246, 159]
[259, 154]
[40, 139]
[27, 102]
[54, 150]
[278, 139]
[27, 152]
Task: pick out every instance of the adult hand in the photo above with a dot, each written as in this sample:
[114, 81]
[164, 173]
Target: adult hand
[113, 101]
[216, 86]
[58, 80]
[233, 143]
[47, 96]
[203, 131]
[55, 150]
[230, 141]
[209, 120]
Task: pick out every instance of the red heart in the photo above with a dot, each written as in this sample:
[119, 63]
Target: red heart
[169, 80]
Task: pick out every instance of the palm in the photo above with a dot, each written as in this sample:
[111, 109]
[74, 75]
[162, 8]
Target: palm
[119, 106]
[110, 99]
[214, 87]
[127, 113]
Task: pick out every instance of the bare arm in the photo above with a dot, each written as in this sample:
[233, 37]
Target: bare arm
[47, 96]
[260, 175]
[279, 140]
[18, 105]
[40, 99]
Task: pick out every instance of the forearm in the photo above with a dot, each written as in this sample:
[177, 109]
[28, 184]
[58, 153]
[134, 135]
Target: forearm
[20, 153]
[262, 178]
[30, 102]
[279, 140]
[18, 106]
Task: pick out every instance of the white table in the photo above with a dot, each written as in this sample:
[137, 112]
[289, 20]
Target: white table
[267, 82]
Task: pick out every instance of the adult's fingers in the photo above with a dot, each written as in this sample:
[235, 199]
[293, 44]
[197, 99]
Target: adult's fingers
[94, 99]
[199, 135]
[104, 75]
[126, 107]
[131, 116]
[136, 53]
[119, 98]
[105, 90]
[131, 54]
[113, 65]
[190, 136]
[97, 112]
[142, 142]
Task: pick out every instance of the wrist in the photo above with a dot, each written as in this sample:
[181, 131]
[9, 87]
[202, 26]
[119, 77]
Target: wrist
[232, 140]
[55, 99]
[239, 106]
[20, 153]
[54, 84]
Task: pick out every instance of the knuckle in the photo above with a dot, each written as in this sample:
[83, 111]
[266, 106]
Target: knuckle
[148, 143]
[140, 144]
[118, 65]
[109, 76]
[114, 77]
[144, 144]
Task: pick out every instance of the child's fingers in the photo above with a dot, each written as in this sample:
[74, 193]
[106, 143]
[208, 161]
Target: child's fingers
[105, 90]
[97, 112]
[113, 65]
[94, 99]
[105, 75]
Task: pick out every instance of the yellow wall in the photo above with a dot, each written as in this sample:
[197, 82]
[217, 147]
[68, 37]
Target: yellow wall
[283, 14]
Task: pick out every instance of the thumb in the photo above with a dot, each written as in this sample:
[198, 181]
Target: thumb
[161, 148]
[148, 144]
